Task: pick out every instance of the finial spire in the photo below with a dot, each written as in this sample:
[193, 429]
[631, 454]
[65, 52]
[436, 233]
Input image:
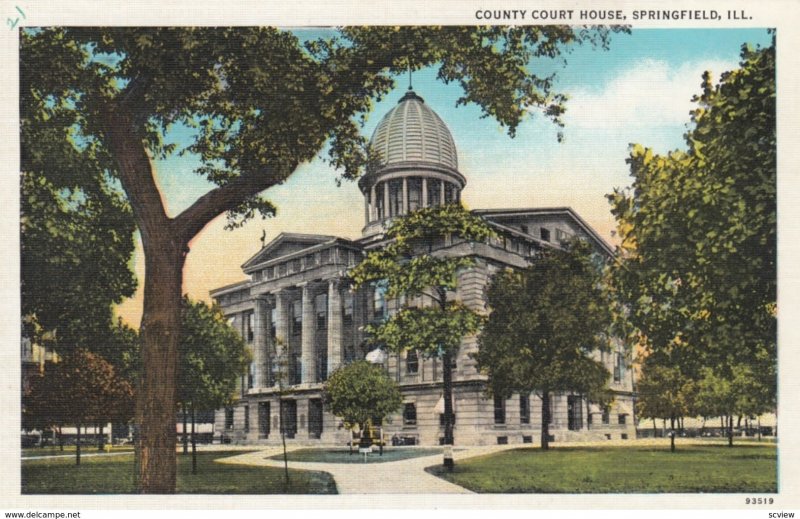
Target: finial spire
[409, 75]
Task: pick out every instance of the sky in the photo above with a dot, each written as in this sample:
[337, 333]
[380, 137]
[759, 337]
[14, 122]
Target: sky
[638, 91]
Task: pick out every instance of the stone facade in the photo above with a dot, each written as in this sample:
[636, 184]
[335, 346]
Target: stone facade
[302, 319]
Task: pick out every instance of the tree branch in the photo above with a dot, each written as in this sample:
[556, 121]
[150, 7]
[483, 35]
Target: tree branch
[135, 171]
[192, 220]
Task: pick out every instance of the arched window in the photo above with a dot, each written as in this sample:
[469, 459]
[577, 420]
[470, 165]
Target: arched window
[414, 194]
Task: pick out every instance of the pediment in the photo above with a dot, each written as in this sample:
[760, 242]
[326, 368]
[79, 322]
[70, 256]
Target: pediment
[285, 244]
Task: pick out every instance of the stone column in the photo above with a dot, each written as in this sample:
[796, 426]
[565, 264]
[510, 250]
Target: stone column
[334, 326]
[373, 200]
[404, 210]
[282, 333]
[386, 208]
[424, 192]
[366, 210]
[441, 193]
[260, 354]
[308, 352]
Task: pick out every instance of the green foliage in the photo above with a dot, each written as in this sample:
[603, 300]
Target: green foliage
[545, 323]
[698, 235]
[213, 356]
[76, 248]
[663, 392]
[429, 330]
[361, 393]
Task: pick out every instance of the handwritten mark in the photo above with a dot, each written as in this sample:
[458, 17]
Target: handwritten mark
[13, 23]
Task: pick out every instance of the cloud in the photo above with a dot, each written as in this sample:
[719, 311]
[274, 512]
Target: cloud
[649, 94]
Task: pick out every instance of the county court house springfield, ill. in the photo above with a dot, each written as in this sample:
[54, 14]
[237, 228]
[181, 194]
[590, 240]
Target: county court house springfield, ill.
[297, 305]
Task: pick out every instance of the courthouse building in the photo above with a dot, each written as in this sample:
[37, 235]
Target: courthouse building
[300, 316]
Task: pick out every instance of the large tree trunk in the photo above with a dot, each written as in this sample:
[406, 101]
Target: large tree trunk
[545, 420]
[447, 375]
[155, 405]
[164, 250]
[101, 439]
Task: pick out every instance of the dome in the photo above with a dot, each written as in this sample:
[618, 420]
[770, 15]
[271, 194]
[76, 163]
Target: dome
[412, 132]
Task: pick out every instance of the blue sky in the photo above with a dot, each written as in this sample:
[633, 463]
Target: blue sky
[637, 91]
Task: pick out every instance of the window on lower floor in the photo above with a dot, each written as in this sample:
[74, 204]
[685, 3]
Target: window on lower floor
[247, 418]
[606, 415]
[228, 418]
[410, 414]
[499, 410]
[524, 409]
[622, 419]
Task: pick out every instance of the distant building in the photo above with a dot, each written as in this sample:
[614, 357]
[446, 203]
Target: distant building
[297, 298]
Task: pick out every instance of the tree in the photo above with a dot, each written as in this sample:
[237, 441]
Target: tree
[259, 102]
[664, 392]
[546, 322]
[80, 236]
[361, 394]
[698, 234]
[81, 389]
[409, 266]
[213, 356]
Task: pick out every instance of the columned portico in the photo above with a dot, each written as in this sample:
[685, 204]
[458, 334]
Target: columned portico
[308, 355]
[334, 326]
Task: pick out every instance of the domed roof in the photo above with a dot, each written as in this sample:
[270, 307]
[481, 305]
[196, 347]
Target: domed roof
[412, 132]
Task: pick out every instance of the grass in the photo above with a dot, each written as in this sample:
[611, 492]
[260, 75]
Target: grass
[114, 475]
[692, 468]
[69, 450]
[344, 456]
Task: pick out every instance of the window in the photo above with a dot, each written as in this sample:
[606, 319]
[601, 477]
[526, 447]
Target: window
[524, 409]
[544, 234]
[248, 331]
[321, 310]
[619, 367]
[379, 301]
[622, 419]
[228, 418]
[379, 207]
[297, 317]
[434, 192]
[410, 414]
[414, 194]
[269, 272]
[606, 413]
[450, 193]
[499, 410]
[247, 418]
[395, 197]
[296, 266]
[251, 370]
[273, 323]
[412, 362]
[524, 228]
[348, 301]
[562, 236]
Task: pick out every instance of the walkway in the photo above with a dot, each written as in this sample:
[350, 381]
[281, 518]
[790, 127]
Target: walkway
[394, 477]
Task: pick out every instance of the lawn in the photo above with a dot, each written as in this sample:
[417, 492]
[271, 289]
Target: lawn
[692, 468]
[69, 450]
[344, 456]
[114, 475]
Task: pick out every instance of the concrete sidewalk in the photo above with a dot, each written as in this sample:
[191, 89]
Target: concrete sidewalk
[394, 477]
